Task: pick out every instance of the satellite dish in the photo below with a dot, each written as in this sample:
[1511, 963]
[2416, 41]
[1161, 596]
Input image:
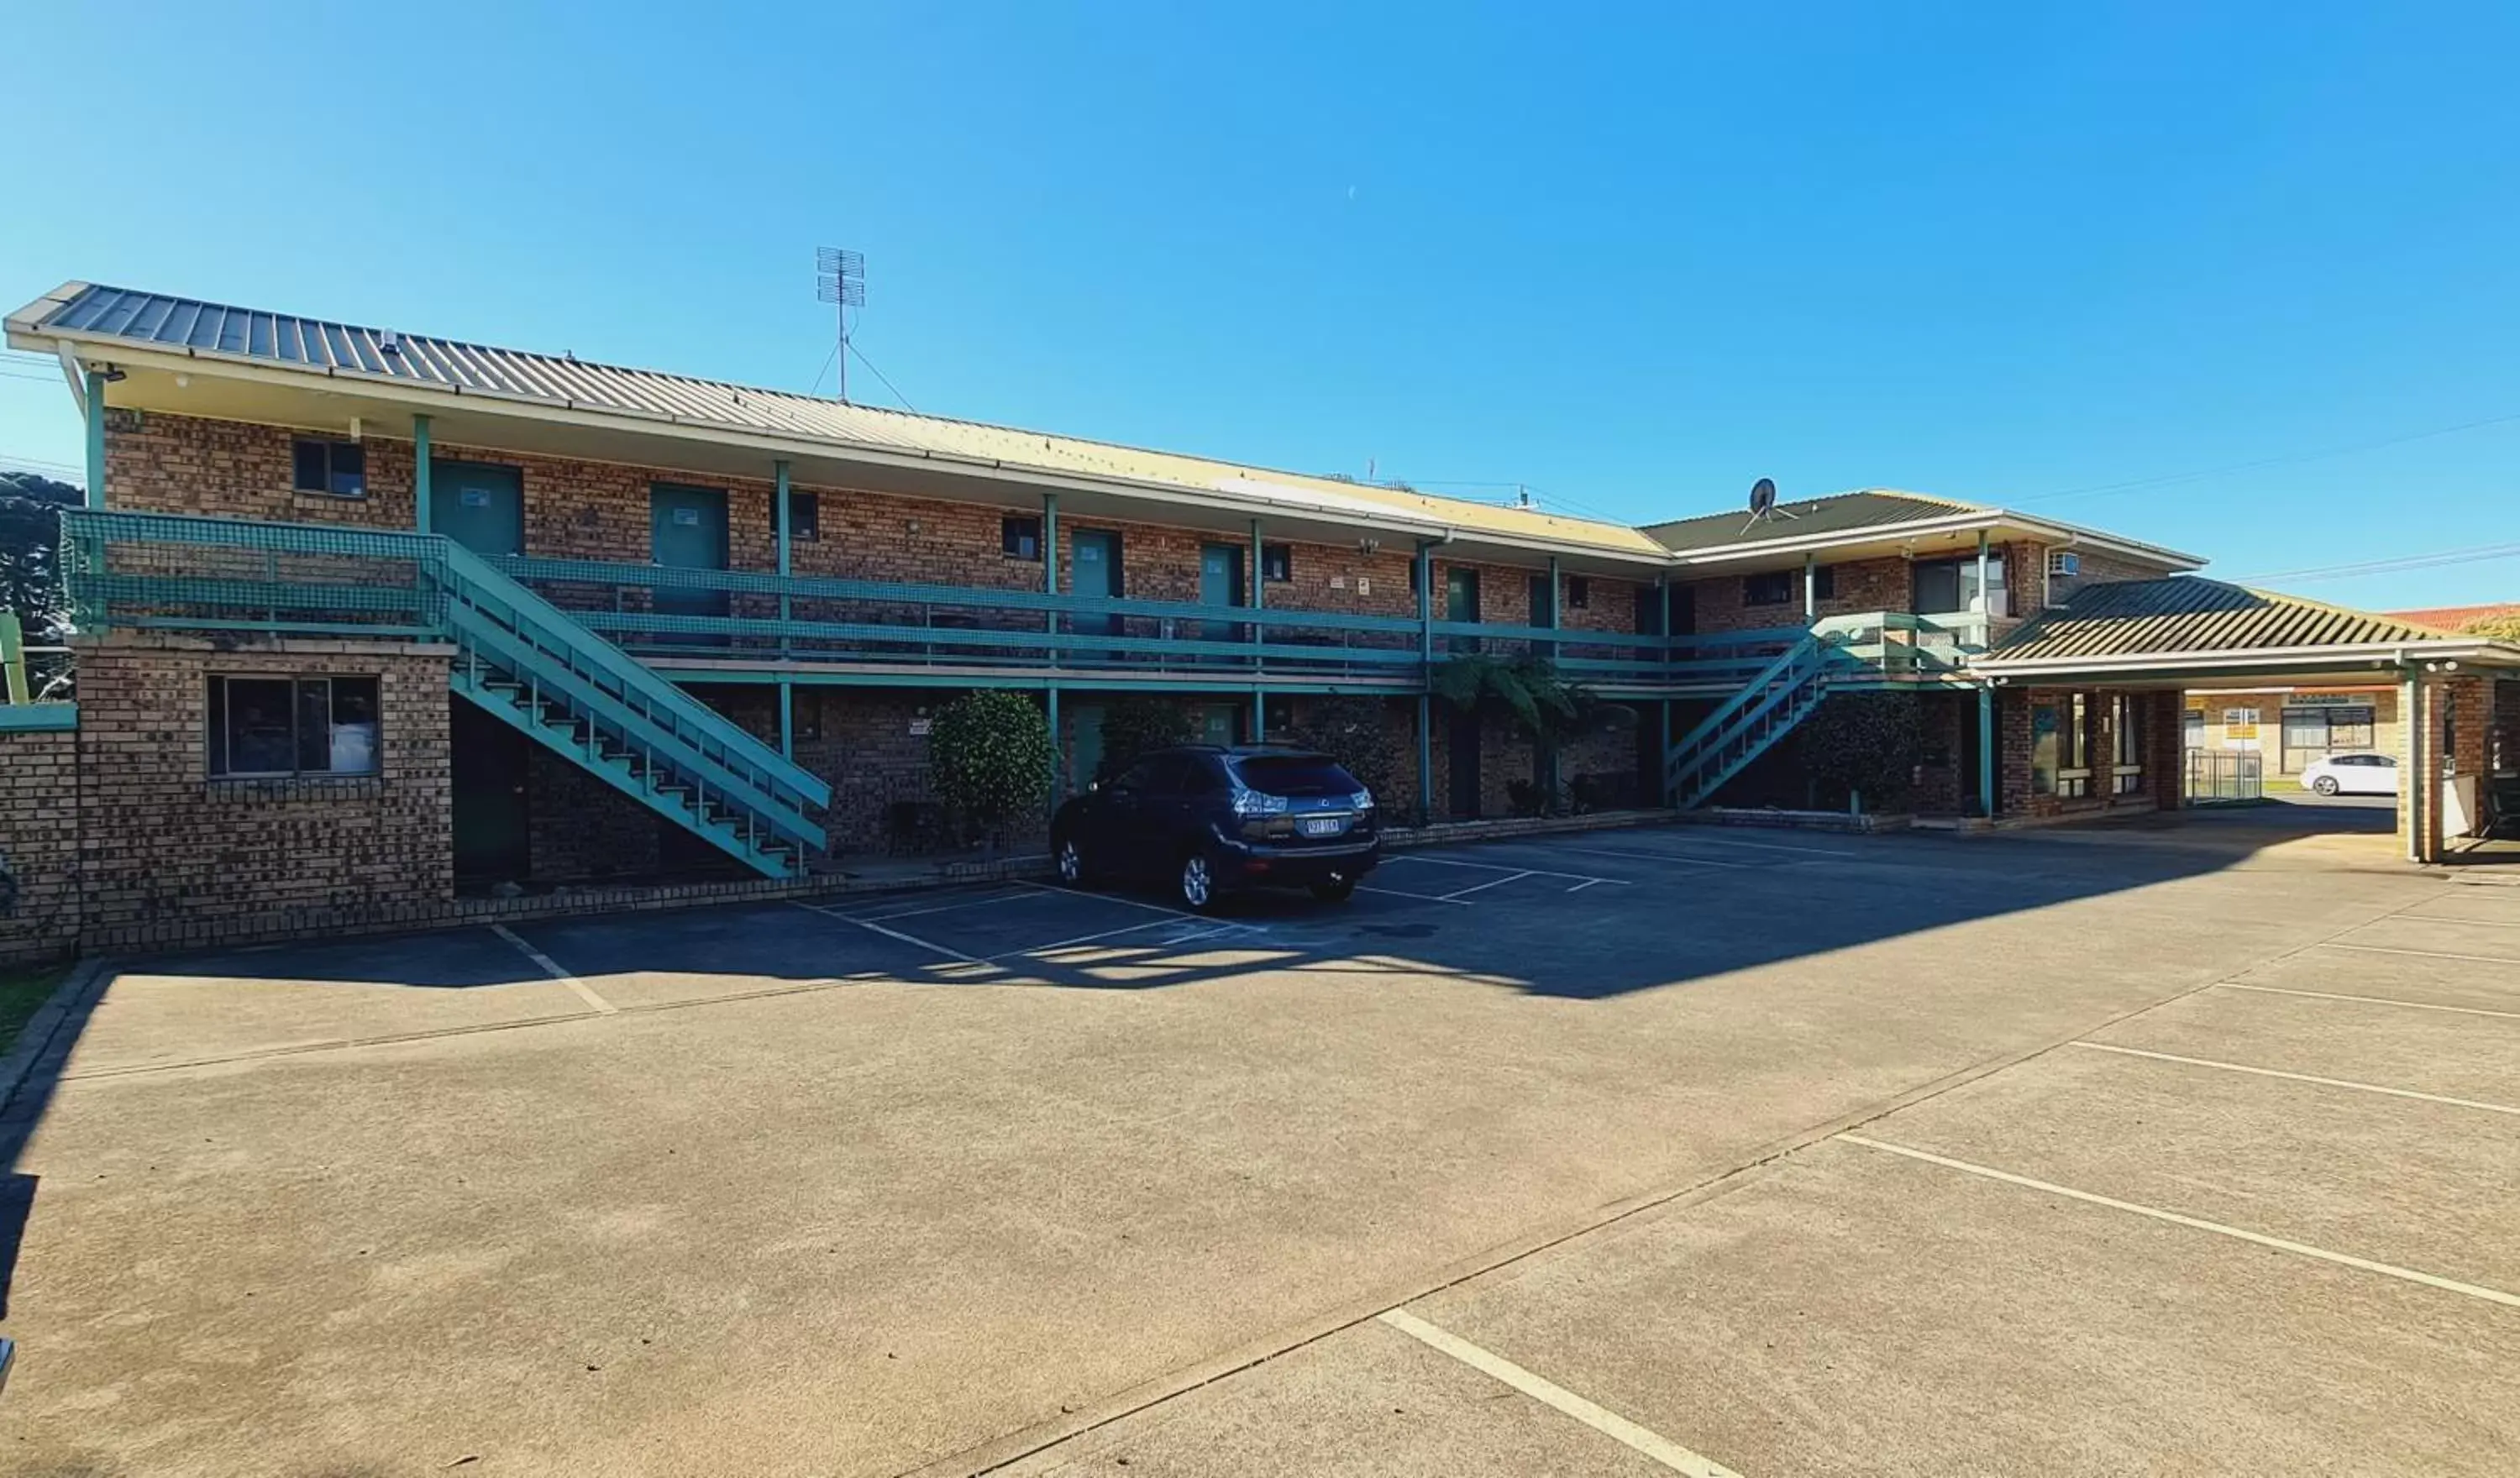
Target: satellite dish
[1763, 497]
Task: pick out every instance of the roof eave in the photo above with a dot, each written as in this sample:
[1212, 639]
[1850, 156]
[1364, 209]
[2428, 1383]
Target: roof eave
[2377, 653]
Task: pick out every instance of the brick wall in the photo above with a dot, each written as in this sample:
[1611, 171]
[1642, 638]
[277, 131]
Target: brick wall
[167, 852]
[1860, 585]
[39, 902]
[2156, 716]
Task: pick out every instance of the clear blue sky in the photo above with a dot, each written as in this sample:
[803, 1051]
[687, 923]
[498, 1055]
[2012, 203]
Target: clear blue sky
[1635, 261]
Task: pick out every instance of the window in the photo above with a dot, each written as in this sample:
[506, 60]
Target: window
[1579, 593]
[1949, 587]
[804, 518]
[1824, 582]
[2125, 738]
[1772, 587]
[292, 725]
[336, 468]
[1277, 564]
[1021, 537]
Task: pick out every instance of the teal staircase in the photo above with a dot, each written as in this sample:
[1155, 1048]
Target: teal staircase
[1743, 726]
[526, 661]
[516, 656]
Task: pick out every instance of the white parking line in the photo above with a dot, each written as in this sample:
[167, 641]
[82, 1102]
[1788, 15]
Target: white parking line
[1126, 929]
[942, 908]
[2271, 1072]
[2382, 949]
[1609, 1423]
[1459, 894]
[2341, 1259]
[552, 967]
[1771, 846]
[1490, 866]
[1680, 857]
[2413, 1006]
[889, 933]
[1366, 887]
[1045, 887]
[2491, 924]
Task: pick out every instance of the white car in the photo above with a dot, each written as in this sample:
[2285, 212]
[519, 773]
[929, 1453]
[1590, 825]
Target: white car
[2352, 775]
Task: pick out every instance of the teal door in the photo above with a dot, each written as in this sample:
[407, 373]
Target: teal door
[1462, 604]
[1096, 576]
[1220, 583]
[478, 506]
[687, 530]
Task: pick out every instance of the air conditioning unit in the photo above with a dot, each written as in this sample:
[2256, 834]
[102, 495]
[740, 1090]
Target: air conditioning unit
[2063, 564]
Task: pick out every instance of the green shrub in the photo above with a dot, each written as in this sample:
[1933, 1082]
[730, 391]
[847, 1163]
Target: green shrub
[1132, 726]
[990, 758]
[1863, 745]
[1351, 729]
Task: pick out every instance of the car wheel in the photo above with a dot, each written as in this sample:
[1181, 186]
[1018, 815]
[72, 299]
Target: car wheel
[2325, 785]
[1069, 856]
[1197, 884]
[1336, 890]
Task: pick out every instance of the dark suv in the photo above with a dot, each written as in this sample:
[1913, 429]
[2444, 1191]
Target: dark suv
[1209, 819]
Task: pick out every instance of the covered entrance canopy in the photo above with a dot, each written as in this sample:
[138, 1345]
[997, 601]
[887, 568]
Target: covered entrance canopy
[2458, 696]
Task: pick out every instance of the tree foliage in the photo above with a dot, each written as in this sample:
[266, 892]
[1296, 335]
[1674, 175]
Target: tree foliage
[1532, 695]
[990, 758]
[1134, 724]
[1863, 744]
[31, 553]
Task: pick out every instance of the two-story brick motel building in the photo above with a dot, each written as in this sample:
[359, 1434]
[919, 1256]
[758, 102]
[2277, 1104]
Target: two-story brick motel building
[378, 630]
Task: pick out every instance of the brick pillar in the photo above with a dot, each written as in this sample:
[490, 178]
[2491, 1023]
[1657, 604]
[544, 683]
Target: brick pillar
[2165, 747]
[2419, 704]
[2012, 751]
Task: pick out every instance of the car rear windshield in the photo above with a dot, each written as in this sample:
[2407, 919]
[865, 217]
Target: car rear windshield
[1294, 775]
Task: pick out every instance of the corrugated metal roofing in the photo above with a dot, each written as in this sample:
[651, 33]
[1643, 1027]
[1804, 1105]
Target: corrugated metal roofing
[160, 321]
[1838, 514]
[2186, 613]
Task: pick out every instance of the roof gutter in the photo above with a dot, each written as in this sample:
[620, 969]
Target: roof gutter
[24, 334]
[1964, 522]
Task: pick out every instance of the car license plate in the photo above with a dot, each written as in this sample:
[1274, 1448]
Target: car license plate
[1323, 825]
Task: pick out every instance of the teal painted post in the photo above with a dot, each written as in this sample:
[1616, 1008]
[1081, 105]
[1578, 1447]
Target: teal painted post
[95, 438]
[1550, 775]
[1811, 588]
[1663, 781]
[420, 514]
[1259, 697]
[1986, 752]
[786, 718]
[786, 606]
[1049, 565]
[1426, 674]
[1058, 752]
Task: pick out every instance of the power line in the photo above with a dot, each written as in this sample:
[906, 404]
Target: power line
[2169, 478]
[2400, 563]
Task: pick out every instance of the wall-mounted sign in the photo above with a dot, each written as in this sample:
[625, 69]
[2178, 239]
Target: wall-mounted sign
[918, 727]
[686, 517]
[475, 497]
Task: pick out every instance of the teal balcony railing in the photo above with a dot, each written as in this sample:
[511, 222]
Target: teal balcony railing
[180, 572]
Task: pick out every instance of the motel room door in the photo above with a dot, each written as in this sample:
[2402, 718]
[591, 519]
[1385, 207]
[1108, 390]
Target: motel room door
[478, 505]
[687, 530]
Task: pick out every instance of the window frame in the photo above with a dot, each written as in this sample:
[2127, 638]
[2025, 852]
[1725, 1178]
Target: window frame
[218, 725]
[1751, 588]
[807, 530]
[1579, 593]
[1277, 565]
[333, 450]
[1012, 532]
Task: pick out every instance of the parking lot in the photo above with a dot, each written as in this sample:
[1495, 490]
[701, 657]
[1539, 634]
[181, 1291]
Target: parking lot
[1620, 1152]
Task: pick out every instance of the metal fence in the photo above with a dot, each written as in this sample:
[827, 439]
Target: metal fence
[2225, 775]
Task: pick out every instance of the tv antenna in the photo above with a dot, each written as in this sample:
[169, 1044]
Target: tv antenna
[839, 279]
[1763, 504]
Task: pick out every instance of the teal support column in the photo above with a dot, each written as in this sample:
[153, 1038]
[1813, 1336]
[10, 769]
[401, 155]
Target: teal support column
[1662, 780]
[1259, 697]
[1811, 588]
[1058, 752]
[786, 718]
[1050, 567]
[1986, 753]
[1426, 674]
[419, 455]
[780, 516]
[95, 438]
[1550, 767]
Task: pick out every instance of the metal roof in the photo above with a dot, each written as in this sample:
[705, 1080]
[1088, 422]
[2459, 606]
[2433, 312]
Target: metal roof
[157, 321]
[1838, 514]
[2186, 613]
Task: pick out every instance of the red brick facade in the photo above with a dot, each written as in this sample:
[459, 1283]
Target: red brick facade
[39, 796]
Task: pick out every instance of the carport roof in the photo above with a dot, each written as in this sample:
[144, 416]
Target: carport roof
[2187, 622]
